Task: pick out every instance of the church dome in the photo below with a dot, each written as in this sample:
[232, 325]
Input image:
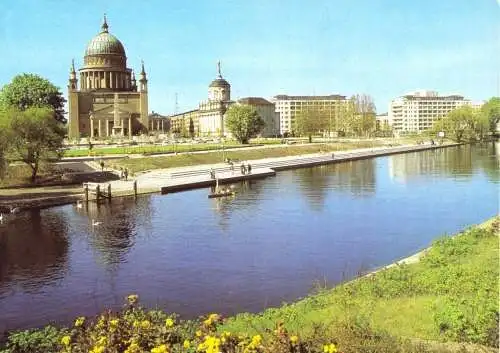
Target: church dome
[105, 43]
[220, 82]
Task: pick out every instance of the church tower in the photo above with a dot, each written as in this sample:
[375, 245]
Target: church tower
[219, 89]
[105, 101]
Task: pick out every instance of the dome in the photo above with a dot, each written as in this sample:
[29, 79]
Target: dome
[220, 82]
[105, 43]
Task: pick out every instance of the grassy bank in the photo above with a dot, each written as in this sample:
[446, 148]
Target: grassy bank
[148, 163]
[450, 295]
[101, 151]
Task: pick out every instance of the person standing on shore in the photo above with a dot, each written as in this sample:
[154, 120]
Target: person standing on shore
[125, 174]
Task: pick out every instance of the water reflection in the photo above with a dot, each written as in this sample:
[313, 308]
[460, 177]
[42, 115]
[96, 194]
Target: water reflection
[33, 250]
[459, 162]
[114, 231]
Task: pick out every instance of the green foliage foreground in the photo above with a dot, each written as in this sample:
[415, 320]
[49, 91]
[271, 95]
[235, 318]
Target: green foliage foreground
[450, 295]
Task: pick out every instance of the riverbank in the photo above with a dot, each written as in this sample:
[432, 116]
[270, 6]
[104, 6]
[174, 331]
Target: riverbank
[445, 302]
[192, 170]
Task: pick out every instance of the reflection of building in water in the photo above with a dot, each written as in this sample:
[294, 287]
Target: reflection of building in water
[33, 249]
[113, 238]
[357, 176]
[441, 161]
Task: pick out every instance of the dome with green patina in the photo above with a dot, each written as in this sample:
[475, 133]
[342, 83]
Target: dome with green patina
[105, 43]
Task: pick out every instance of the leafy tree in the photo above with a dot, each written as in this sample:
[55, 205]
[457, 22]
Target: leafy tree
[491, 109]
[30, 90]
[35, 136]
[310, 121]
[463, 123]
[243, 122]
[3, 147]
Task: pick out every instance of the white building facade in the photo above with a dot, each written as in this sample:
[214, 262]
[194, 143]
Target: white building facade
[288, 106]
[417, 111]
[267, 112]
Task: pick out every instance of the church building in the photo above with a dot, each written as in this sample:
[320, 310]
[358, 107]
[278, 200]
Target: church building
[109, 101]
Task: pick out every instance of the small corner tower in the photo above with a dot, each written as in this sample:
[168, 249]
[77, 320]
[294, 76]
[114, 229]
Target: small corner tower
[219, 89]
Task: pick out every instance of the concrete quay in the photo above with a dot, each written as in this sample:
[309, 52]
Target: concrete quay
[186, 178]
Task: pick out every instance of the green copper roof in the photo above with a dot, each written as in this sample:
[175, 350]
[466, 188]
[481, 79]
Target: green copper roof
[105, 43]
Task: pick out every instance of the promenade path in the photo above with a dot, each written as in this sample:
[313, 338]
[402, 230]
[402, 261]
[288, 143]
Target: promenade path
[153, 181]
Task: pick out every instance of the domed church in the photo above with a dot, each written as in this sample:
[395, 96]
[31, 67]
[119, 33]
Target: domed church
[108, 101]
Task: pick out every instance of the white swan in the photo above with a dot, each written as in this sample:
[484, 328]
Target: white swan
[1, 217]
[14, 210]
[95, 223]
[79, 204]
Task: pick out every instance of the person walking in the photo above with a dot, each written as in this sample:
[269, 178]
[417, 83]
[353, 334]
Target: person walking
[121, 173]
[125, 174]
[249, 168]
[102, 165]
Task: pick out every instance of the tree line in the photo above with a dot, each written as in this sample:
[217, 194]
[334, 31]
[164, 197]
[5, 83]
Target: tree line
[31, 122]
[352, 117]
[468, 124]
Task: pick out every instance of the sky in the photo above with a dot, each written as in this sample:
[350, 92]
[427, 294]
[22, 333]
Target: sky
[384, 48]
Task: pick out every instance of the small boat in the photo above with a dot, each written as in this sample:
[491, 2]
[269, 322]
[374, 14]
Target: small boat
[221, 193]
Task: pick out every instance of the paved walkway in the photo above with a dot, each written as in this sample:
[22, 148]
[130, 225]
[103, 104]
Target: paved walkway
[153, 181]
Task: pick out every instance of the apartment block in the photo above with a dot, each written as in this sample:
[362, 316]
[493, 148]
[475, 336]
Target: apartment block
[416, 112]
[288, 106]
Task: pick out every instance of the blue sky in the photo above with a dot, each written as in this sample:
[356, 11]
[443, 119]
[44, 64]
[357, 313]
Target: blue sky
[267, 47]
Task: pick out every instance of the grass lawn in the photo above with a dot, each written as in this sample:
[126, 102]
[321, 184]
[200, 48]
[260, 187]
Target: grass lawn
[148, 163]
[451, 294]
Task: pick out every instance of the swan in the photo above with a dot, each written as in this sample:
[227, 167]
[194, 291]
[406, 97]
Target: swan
[1, 217]
[95, 223]
[14, 210]
[79, 204]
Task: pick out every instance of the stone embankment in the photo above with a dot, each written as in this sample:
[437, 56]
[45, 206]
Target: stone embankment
[185, 178]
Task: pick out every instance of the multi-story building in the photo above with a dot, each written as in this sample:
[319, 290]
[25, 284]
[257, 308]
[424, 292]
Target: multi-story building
[267, 112]
[108, 101]
[417, 111]
[288, 106]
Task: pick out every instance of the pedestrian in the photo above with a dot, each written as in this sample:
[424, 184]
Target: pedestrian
[102, 165]
[121, 173]
[249, 168]
[212, 173]
[333, 155]
[242, 167]
[125, 174]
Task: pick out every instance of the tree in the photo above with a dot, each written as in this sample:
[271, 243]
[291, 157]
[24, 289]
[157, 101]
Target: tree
[35, 136]
[3, 146]
[30, 90]
[243, 122]
[463, 123]
[491, 110]
[310, 121]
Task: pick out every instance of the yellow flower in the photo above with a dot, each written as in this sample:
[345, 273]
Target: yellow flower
[79, 321]
[133, 348]
[256, 340]
[114, 322]
[160, 349]
[102, 341]
[198, 333]
[132, 299]
[329, 348]
[145, 324]
[66, 340]
[294, 339]
[226, 334]
[186, 344]
[169, 322]
[97, 349]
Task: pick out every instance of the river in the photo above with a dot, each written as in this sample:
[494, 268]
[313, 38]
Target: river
[272, 242]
